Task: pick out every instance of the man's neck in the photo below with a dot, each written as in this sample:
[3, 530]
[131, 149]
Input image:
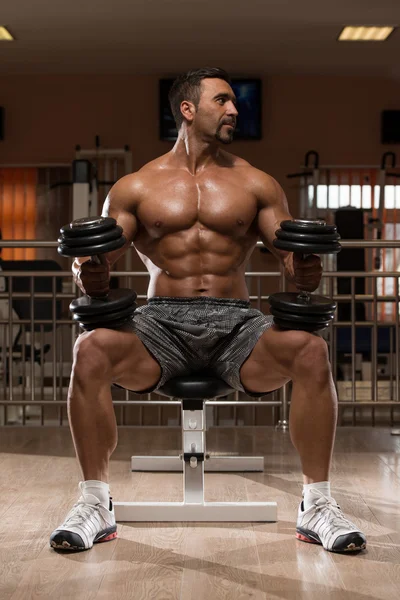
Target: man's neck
[193, 154]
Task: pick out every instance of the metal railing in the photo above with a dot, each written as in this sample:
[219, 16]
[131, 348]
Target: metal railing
[34, 378]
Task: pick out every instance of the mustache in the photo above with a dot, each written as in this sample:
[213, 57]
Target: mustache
[229, 122]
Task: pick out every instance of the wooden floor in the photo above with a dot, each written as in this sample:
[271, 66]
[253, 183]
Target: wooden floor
[38, 485]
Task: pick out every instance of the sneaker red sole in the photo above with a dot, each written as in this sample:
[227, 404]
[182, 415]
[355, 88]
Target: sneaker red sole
[303, 538]
[110, 537]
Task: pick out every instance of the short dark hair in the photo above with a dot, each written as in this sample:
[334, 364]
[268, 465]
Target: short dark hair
[187, 87]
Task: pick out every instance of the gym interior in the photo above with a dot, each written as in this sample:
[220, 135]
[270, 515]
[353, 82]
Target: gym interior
[205, 479]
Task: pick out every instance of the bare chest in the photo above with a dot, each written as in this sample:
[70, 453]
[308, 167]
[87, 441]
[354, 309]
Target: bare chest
[220, 205]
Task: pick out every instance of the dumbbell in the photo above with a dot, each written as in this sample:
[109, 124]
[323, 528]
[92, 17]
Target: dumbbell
[92, 236]
[304, 311]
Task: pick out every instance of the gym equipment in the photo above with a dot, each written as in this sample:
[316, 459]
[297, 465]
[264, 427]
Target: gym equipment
[194, 391]
[94, 168]
[350, 222]
[302, 310]
[92, 236]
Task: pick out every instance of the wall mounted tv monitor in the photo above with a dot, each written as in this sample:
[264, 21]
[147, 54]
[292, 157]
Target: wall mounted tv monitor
[249, 97]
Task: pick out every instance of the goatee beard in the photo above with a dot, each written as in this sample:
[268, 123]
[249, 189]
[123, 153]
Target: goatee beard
[223, 140]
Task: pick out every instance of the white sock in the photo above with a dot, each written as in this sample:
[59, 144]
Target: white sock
[98, 489]
[309, 498]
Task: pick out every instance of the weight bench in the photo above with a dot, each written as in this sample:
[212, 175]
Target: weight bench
[193, 391]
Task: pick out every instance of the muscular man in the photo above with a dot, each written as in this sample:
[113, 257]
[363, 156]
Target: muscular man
[194, 216]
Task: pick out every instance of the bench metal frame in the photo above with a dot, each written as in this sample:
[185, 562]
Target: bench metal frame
[193, 463]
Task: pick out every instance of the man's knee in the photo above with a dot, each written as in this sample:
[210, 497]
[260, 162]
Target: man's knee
[310, 354]
[90, 353]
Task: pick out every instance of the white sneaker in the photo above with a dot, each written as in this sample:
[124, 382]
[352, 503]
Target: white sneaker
[325, 524]
[87, 523]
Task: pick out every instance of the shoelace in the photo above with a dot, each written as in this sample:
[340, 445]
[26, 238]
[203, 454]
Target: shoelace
[333, 512]
[82, 512]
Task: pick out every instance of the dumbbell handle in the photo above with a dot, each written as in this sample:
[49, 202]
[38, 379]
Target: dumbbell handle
[303, 294]
[96, 259]
[290, 236]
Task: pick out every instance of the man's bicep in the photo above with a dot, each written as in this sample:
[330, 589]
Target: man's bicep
[120, 204]
[273, 210]
[126, 219]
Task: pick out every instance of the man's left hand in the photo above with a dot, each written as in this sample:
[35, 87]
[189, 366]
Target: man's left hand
[306, 272]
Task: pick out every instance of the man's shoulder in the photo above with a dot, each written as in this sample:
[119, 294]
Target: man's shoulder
[135, 183]
[156, 165]
[231, 160]
[247, 168]
[253, 177]
[264, 186]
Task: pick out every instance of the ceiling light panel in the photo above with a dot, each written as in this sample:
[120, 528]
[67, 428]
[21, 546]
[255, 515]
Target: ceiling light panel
[365, 33]
[5, 35]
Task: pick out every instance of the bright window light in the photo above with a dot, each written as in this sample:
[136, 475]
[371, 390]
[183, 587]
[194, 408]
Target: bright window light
[338, 196]
[364, 33]
[5, 35]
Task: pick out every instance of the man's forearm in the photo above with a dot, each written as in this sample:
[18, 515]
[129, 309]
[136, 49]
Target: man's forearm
[288, 269]
[75, 274]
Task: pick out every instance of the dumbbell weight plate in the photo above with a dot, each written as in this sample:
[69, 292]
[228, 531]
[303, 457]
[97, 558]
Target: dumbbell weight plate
[307, 247]
[298, 326]
[118, 299]
[108, 325]
[94, 225]
[318, 238]
[81, 227]
[297, 225]
[92, 250]
[92, 240]
[322, 320]
[295, 303]
[105, 318]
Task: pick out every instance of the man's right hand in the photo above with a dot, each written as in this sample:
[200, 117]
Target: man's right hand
[91, 277]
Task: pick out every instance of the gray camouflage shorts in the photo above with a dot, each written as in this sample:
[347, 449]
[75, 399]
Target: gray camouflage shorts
[186, 335]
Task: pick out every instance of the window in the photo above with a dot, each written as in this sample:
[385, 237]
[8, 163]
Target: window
[367, 197]
[18, 210]
[337, 196]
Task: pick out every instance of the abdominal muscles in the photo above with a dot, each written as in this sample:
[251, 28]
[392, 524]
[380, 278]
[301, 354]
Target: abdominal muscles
[197, 262]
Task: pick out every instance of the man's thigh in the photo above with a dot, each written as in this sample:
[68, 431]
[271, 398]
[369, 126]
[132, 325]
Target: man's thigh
[268, 367]
[132, 365]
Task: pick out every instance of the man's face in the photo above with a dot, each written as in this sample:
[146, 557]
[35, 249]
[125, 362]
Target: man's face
[216, 114]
